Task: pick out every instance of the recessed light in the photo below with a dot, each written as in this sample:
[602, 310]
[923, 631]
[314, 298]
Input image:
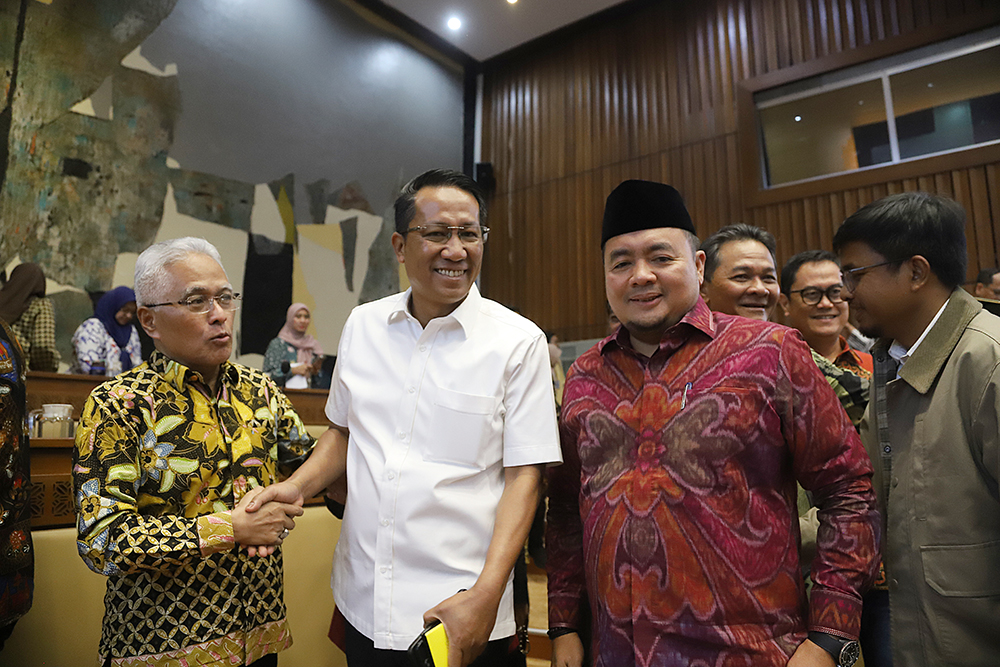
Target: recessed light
[798, 118]
[511, 2]
[454, 23]
[930, 85]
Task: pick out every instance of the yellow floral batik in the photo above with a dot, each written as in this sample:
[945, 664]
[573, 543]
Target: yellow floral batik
[159, 465]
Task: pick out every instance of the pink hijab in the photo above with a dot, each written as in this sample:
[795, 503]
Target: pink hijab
[307, 346]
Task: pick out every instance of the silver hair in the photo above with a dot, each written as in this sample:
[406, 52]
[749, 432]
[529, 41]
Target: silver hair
[151, 266]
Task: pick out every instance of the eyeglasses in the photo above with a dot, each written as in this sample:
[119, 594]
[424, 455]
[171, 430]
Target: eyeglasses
[200, 304]
[851, 277]
[811, 296]
[441, 234]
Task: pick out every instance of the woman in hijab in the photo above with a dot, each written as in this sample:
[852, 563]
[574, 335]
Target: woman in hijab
[24, 306]
[108, 343]
[294, 358]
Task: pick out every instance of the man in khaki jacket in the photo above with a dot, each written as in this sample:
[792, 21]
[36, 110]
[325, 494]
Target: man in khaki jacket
[932, 426]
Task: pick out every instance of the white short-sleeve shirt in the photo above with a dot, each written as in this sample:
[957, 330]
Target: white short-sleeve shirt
[434, 416]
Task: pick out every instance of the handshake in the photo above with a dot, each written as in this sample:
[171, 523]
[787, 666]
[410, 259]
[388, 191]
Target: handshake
[265, 516]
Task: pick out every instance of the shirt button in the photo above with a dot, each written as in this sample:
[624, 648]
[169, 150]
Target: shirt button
[402, 435]
[412, 389]
[887, 449]
[385, 522]
[392, 475]
[383, 569]
[423, 348]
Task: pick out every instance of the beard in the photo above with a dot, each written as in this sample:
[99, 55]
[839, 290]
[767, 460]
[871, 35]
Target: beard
[650, 330]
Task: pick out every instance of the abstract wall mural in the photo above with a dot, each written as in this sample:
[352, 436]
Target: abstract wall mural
[124, 123]
[77, 189]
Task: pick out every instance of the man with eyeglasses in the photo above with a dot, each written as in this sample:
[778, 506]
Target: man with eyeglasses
[442, 414]
[812, 294]
[812, 301]
[932, 428]
[165, 456]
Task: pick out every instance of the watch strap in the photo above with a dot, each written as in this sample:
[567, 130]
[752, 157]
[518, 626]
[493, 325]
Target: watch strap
[835, 647]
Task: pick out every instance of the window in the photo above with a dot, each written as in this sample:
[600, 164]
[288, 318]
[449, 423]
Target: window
[940, 98]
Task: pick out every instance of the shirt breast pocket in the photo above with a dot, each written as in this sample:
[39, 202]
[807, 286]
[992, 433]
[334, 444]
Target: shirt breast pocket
[460, 430]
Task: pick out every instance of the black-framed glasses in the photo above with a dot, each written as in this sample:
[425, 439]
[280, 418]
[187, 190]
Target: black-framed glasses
[200, 304]
[811, 296]
[441, 234]
[851, 277]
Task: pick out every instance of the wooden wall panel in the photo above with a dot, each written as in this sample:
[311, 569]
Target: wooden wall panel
[652, 94]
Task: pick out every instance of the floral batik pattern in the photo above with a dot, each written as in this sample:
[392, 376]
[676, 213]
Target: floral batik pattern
[95, 352]
[16, 550]
[159, 465]
[675, 510]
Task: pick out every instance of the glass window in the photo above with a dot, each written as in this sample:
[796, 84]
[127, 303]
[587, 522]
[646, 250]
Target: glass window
[940, 98]
[816, 135]
[948, 104]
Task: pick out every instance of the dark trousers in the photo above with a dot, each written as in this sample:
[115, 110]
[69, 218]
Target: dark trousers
[875, 642]
[361, 652]
[5, 633]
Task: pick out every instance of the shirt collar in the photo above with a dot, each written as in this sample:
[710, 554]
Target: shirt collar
[699, 318]
[465, 314]
[847, 354]
[900, 353]
[179, 376]
[925, 364]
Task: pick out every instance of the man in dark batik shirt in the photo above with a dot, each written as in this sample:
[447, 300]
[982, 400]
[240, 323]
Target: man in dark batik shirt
[17, 565]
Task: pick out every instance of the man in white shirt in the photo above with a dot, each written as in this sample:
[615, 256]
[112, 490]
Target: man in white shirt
[442, 413]
[932, 428]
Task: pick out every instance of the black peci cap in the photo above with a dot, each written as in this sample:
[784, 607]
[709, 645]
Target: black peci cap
[636, 205]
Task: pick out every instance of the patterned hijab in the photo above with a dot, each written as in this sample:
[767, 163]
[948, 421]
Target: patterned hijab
[25, 283]
[307, 346]
[105, 311]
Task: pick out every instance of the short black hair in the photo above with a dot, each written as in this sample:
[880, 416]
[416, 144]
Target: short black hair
[901, 226]
[737, 232]
[985, 276]
[791, 269]
[406, 205]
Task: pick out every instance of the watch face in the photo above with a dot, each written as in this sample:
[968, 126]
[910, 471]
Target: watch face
[849, 654]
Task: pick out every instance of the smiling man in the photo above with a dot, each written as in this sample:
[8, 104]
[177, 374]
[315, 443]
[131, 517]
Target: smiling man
[812, 301]
[442, 413]
[165, 455]
[933, 425]
[812, 297]
[683, 434]
[740, 275]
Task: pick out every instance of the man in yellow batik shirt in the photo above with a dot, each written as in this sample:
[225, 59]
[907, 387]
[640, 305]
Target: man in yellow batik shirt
[165, 454]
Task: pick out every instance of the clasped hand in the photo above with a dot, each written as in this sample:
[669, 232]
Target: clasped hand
[264, 517]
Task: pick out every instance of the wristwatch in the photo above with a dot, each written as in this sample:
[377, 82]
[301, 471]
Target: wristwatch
[845, 652]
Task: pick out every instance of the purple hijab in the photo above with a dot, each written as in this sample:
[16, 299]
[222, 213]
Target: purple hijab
[107, 306]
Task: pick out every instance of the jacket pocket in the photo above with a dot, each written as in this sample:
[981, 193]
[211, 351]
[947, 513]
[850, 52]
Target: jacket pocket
[463, 424]
[963, 603]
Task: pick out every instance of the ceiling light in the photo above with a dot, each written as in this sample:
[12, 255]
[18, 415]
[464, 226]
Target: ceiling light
[798, 118]
[511, 2]
[454, 23]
